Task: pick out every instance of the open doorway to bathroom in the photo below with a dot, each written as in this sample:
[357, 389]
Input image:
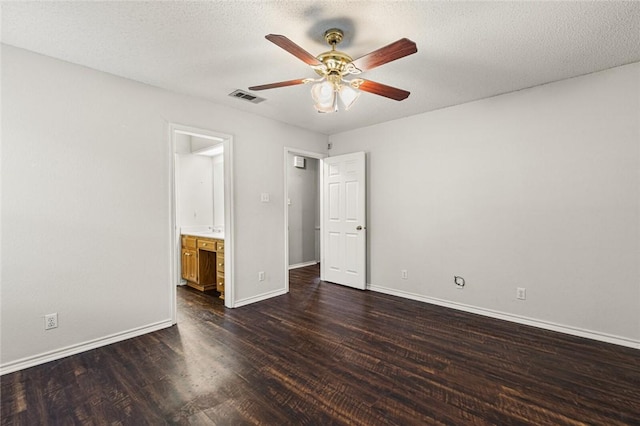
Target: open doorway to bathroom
[202, 254]
[302, 214]
[200, 184]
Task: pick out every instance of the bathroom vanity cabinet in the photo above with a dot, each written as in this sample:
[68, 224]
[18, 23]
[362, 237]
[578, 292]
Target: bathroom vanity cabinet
[203, 263]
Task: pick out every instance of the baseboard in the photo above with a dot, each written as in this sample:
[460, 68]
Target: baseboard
[44, 357]
[259, 298]
[303, 264]
[574, 331]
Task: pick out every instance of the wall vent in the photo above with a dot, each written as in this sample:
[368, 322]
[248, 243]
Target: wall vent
[240, 94]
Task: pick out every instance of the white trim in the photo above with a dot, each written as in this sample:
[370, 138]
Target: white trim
[229, 228]
[174, 239]
[53, 355]
[322, 243]
[318, 156]
[259, 298]
[229, 233]
[547, 325]
[303, 264]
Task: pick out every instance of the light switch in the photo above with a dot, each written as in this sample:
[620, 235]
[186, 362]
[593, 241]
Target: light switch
[264, 197]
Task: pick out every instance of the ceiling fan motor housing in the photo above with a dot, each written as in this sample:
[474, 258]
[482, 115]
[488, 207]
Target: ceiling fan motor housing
[333, 36]
[335, 62]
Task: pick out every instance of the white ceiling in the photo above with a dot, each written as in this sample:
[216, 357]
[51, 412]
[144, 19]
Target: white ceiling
[466, 50]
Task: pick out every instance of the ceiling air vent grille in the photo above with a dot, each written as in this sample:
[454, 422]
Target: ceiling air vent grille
[246, 96]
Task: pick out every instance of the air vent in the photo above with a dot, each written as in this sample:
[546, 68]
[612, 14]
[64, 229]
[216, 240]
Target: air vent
[246, 96]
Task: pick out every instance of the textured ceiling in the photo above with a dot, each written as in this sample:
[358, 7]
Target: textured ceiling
[466, 50]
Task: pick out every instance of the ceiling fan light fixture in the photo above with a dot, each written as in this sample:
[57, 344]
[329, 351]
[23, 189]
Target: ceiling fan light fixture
[327, 108]
[348, 96]
[324, 97]
[322, 92]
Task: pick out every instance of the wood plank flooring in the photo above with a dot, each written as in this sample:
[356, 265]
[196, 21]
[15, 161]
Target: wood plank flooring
[325, 354]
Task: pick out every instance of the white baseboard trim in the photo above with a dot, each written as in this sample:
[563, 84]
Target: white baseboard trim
[55, 354]
[574, 331]
[259, 298]
[303, 264]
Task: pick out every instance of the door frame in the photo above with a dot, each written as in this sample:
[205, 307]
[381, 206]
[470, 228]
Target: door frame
[229, 231]
[318, 156]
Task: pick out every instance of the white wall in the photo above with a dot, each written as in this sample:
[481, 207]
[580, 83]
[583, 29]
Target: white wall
[218, 190]
[200, 184]
[538, 189]
[304, 210]
[195, 190]
[86, 203]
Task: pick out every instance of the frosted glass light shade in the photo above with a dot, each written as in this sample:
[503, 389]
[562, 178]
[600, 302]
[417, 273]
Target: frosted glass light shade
[348, 96]
[324, 97]
[322, 93]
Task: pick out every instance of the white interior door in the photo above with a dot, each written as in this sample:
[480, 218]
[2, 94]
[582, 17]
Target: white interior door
[344, 220]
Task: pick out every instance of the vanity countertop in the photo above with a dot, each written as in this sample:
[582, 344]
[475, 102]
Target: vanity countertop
[205, 234]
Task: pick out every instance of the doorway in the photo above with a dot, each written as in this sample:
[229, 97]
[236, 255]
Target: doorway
[303, 209]
[201, 211]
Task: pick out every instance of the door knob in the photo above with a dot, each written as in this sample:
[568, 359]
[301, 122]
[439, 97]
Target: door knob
[359, 228]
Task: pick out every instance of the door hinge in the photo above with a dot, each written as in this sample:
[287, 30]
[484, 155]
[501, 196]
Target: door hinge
[329, 145]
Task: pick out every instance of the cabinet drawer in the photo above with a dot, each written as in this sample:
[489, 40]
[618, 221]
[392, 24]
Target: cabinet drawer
[220, 264]
[188, 242]
[220, 246]
[220, 284]
[207, 245]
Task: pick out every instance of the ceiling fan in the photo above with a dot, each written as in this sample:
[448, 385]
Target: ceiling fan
[333, 66]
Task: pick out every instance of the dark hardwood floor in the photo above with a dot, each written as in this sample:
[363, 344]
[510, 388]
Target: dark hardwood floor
[325, 354]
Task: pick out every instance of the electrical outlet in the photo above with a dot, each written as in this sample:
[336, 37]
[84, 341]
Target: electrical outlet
[261, 276]
[50, 321]
[521, 293]
[404, 274]
[264, 197]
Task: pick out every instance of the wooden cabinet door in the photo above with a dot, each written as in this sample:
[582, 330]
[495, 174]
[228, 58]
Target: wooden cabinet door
[190, 265]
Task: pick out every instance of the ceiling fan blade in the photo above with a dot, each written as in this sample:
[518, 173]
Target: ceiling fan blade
[293, 48]
[383, 90]
[279, 84]
[396, 50]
